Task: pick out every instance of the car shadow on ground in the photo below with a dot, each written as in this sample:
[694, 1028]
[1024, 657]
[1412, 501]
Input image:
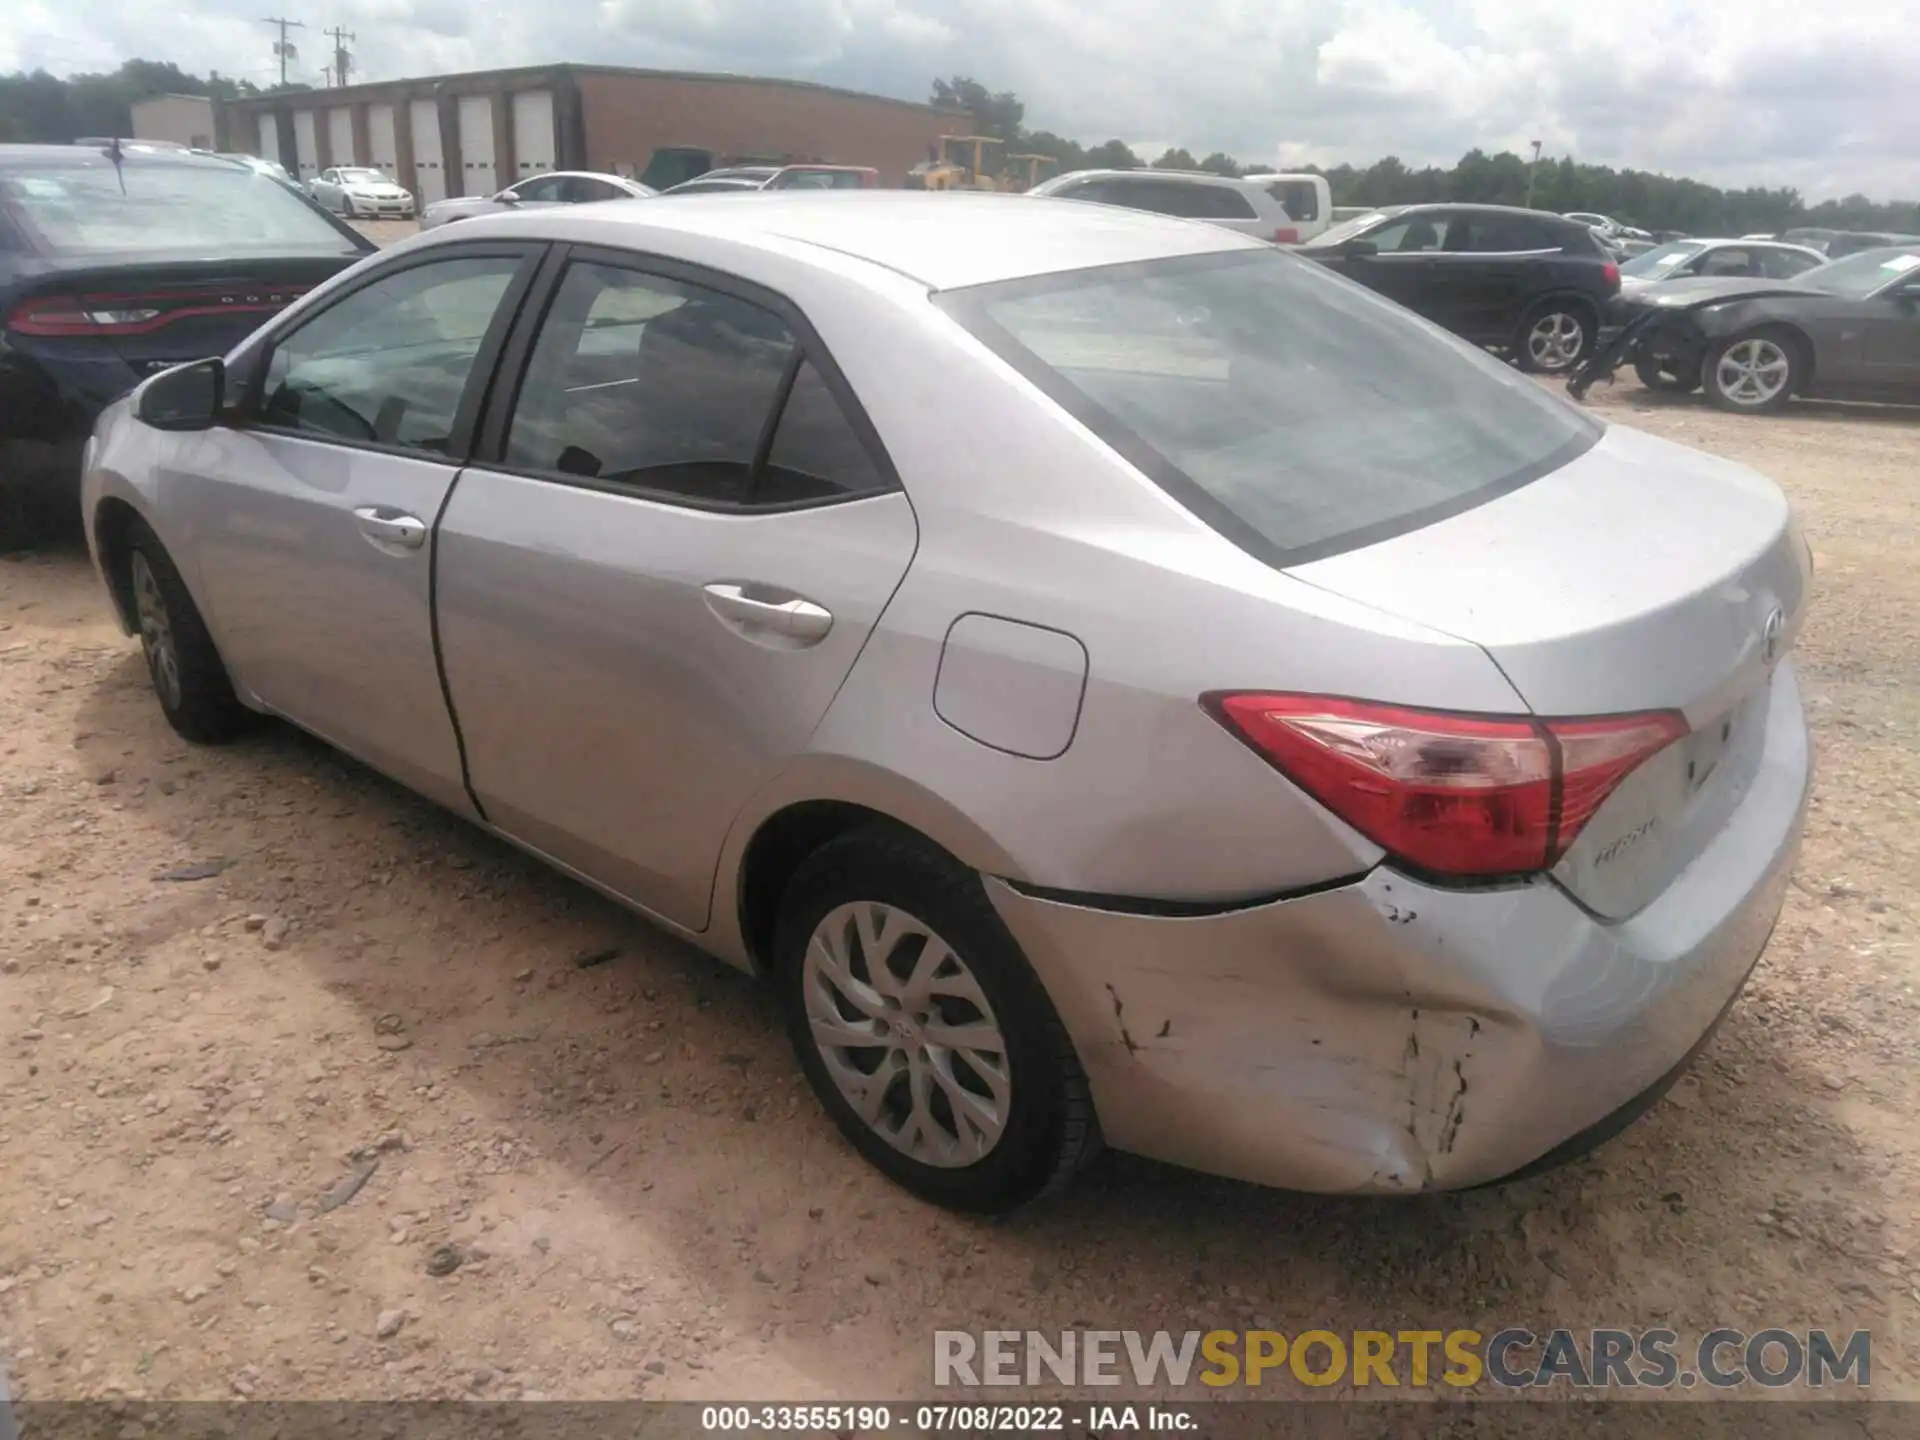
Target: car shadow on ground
[660, 1083]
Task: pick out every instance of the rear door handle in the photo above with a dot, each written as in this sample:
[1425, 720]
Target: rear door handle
[391, 526]
[789, 615]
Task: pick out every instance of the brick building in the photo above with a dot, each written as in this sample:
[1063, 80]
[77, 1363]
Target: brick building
[473, 134]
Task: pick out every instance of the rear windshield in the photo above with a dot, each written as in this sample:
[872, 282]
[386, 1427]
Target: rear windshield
[83, 207]
[1295, 412]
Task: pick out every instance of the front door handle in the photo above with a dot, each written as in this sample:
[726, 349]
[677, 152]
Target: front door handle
[781, 612]
[391, 526]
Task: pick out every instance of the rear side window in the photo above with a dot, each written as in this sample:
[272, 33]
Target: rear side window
[1297, 414]
[1220, 202]
[1300, 198]
[669, 387]
[1500, 235]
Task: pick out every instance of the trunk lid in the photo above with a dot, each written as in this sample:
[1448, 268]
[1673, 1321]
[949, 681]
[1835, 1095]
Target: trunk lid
[1641, 576]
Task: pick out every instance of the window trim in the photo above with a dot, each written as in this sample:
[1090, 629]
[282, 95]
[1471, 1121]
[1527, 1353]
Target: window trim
[488, 451]
[257, 358]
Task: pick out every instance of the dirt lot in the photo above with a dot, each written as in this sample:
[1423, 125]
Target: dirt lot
[641, 1198]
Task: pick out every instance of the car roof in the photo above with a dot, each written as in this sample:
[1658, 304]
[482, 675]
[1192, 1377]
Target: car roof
[1147, 172]
[941, 240]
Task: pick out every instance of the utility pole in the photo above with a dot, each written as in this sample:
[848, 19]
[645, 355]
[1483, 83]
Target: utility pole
[1532, 165]
[284, 49]
[342, 61]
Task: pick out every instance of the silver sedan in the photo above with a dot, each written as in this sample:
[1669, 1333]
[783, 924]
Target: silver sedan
[1115, 680]
[553, 187]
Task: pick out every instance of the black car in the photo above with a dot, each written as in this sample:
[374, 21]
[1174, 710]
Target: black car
[1524, 281]
[117, 261]
[1849, 329]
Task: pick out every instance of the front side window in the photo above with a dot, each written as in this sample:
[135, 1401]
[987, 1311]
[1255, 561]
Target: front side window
[388, 364]
[668, 387]
[1244, 382]
[1727, 260]
[1413, 235]
[541, 188]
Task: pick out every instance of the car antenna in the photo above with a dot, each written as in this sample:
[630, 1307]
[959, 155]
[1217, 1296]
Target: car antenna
[113, 154]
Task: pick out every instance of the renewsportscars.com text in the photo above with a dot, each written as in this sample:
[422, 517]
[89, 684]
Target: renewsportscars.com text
[1512, 1358]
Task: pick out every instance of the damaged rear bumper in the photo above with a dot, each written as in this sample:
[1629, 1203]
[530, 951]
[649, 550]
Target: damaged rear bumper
[1389, 1035]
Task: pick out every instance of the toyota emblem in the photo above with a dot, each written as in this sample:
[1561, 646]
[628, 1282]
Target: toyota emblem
[1770, 637]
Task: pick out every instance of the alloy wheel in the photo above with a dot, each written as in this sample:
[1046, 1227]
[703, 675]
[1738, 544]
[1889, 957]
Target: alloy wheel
[1752, 372]
[1555, 340]
[156, 632]
[906, 1034]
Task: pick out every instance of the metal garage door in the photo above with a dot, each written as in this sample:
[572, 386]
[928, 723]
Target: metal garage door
[532, 132]
[269, 137]
[340, 136]
[386, 155]
[477, 175]
[306, 154]
[430, 178]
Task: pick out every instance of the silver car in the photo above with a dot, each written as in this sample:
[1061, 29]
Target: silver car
[360, 192]
[553, 187]
[1114, 679]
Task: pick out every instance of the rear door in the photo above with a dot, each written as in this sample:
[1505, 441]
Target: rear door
[1493, 267]
[652, 588]
[310, 520]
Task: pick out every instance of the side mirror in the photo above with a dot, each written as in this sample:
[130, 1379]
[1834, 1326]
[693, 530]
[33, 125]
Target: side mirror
[187, 397]
[1359, 249]
[506, 197]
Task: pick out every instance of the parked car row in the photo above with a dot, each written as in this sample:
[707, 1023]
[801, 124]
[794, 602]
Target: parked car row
[1845, 329]
[626, 533]
[120, 260]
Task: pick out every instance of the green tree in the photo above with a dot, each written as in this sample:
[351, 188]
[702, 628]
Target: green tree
[1222, 164]
[1176, 160]
[993, 114]
[1112, 155]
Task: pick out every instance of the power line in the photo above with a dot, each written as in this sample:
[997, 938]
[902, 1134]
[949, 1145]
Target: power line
[284, 49]
[342, 61]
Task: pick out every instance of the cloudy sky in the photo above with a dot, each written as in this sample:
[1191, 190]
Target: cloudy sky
[1770, 92]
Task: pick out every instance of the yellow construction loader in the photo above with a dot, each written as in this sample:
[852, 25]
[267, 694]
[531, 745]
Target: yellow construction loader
[974, 162]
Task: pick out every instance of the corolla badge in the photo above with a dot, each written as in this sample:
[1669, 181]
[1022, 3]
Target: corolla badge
[1771, 636]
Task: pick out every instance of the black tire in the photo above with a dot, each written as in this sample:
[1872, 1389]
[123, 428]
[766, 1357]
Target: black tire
[1654, 378]
[198, 700]
[1768, 346]
[1576, 322]
[1049, 1130]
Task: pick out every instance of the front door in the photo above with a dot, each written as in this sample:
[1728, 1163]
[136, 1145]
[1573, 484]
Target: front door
[1890, 332]
[1402, 269]
[315, 512]
[650, 595]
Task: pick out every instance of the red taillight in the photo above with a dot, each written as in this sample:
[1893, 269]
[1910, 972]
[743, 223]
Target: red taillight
[107, 315]
[1449, 794]
[1286, 235]
[1610, 272]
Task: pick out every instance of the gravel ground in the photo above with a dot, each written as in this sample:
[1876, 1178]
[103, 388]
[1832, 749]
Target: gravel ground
[376, 1107]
